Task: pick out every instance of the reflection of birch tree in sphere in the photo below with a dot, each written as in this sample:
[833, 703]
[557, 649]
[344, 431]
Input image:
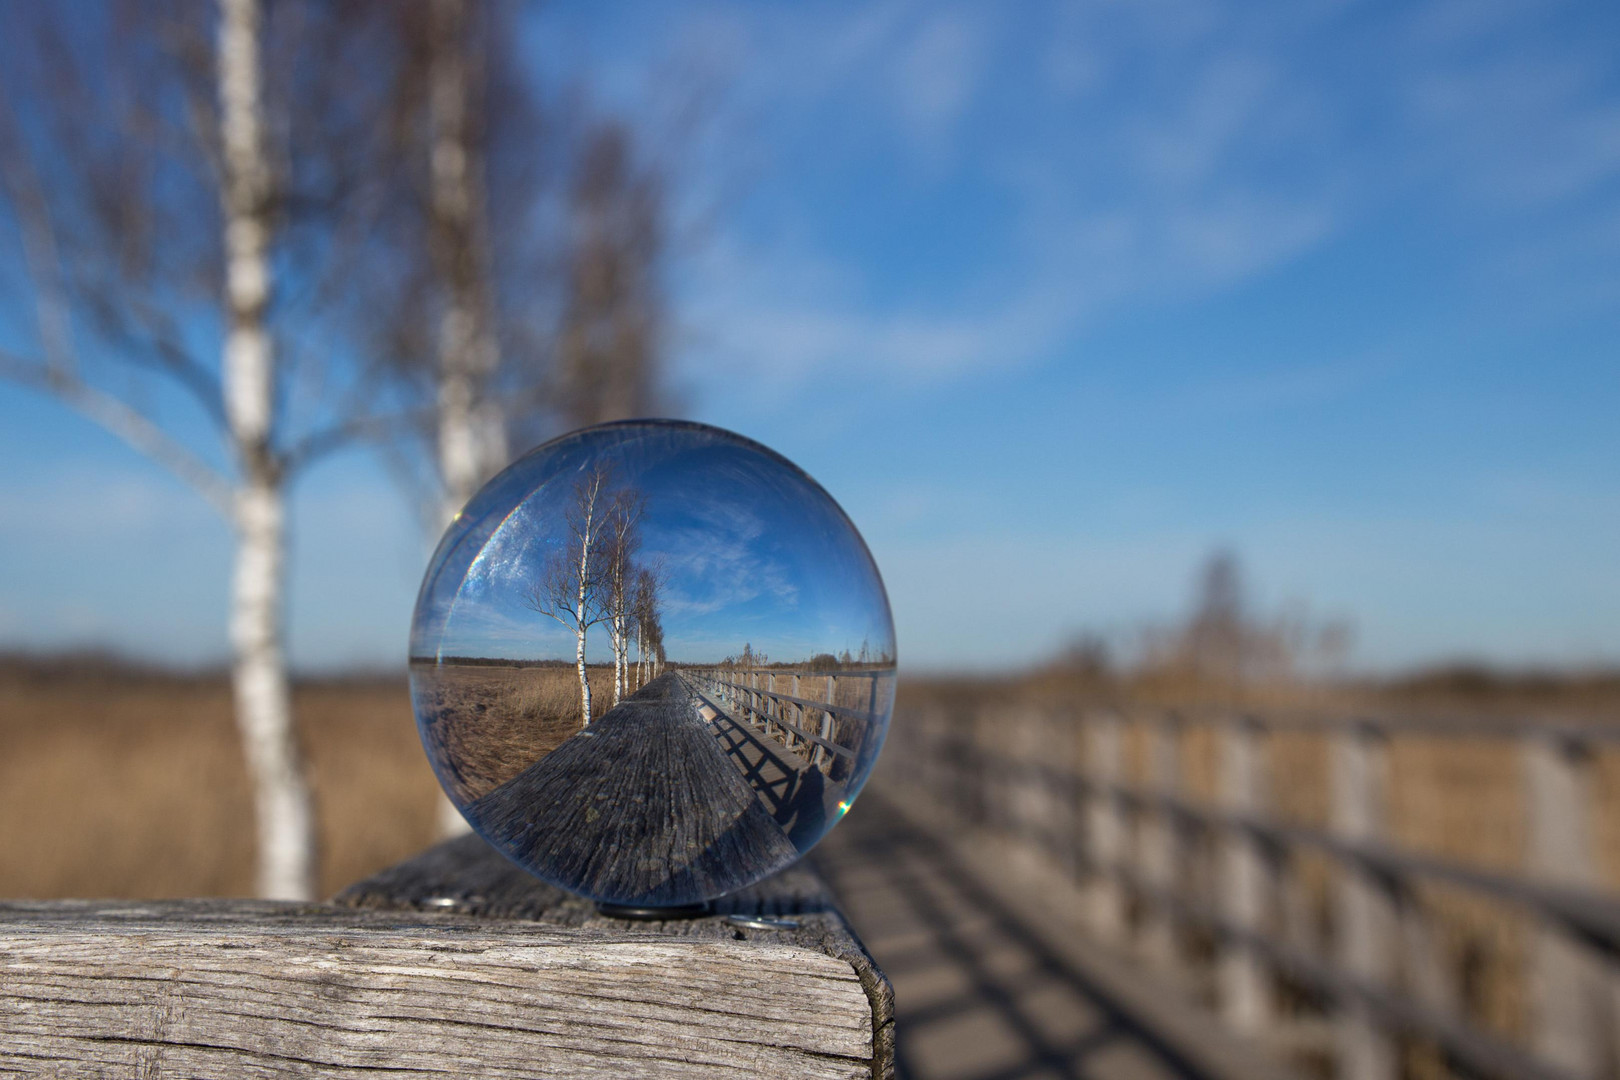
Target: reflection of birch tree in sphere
[730, 709]
[570, 588]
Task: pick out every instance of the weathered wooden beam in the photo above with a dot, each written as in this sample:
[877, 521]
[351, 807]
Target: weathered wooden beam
[453, 963]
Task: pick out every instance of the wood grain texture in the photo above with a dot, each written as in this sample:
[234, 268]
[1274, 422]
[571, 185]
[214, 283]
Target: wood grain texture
[455, 963]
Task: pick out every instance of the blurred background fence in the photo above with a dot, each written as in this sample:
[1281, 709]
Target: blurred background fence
[1371, 889]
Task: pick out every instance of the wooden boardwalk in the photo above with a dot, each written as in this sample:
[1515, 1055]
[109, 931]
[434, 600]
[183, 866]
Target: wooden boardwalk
[643, 807]
[988, 986]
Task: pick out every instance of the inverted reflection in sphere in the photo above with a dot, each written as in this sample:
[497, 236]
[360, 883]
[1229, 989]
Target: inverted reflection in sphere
[652, 662]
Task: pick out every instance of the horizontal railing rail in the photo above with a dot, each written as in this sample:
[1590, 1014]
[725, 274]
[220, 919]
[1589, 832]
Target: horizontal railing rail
[1592, 913]
[1161, 868]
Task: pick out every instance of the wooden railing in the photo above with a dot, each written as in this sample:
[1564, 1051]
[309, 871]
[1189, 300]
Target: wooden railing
[1215, 889]
[807, 725]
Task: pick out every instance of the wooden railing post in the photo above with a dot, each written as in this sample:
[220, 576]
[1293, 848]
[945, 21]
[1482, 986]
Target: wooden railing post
[1424, 968]
[1069, 823]
[1035, 809]
[1159, 847]
[1244, 879]
[1564, 979]
[773, 709]
[1365, 907]
[1105, 825]
[1376, 958]
[826, 716]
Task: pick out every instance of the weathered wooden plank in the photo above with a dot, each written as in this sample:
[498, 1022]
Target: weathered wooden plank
[455, 963]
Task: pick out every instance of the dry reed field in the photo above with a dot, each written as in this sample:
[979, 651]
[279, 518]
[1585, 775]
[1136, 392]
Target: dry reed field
[117, 783]
[492, 721]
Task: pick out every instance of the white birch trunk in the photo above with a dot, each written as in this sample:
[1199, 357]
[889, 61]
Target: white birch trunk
[621, 657]
[471, 422]
[584, 599]
[584, 680]
[285, 818]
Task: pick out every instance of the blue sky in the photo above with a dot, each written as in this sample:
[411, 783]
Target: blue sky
[1054, 299]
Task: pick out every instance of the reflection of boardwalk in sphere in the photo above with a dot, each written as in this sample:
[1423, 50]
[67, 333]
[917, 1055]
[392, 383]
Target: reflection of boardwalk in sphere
[641, 807]
[794, 791]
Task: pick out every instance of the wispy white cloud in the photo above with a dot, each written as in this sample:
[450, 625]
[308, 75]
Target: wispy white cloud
[1121, 202]
[937, 72]
[1162, 152]
[718, 562]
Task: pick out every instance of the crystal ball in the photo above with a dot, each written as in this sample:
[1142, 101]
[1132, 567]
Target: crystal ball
[652, 662]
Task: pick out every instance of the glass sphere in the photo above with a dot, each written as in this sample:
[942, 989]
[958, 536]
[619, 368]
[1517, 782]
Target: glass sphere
[652, 662]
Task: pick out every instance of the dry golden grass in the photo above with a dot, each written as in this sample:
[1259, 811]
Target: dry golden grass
[135, 787]
[493, 721]
[120, 784]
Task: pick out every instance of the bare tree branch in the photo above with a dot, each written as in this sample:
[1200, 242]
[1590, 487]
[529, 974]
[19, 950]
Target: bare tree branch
[126, 422]
[380, 428]
[22, 185]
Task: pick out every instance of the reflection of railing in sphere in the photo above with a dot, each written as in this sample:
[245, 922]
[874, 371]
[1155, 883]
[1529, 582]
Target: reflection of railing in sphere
[831, 736]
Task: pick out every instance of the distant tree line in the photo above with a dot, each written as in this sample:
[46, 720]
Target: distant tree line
[867, 656]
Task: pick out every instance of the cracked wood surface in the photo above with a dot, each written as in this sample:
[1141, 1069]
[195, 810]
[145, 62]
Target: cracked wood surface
[453, 963]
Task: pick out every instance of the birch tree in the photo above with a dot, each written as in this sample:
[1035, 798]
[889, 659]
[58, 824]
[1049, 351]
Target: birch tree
[649, 629]
[472, 437]
[259, 674]
[463, 319]
[570, 588]
[469, 318]
[621, 541]
[118, 131]
[612, 324]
